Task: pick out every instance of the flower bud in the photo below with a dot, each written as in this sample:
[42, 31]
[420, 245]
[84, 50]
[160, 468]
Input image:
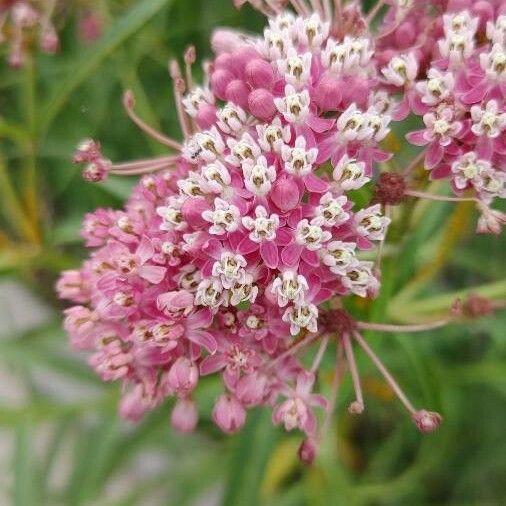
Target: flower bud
[259, 73]
[228, 414]
[237, 92]
[131, 406]
[250, 389]
[206, 116]
[226, 41]
[285, 194]
[220, 79]
[261, 104]
[183, 376]
[307, 451]
[328, 94]
[184, 415]
[405, 35]
[427, 421]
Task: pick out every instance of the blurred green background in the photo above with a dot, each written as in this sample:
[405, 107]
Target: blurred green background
[61, 441]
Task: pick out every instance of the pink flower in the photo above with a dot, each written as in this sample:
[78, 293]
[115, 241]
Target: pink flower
[228, 414]
[184, 416]
[295, 411]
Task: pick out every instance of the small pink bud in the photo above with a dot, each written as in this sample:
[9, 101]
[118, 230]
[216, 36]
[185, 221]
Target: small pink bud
[427, 421]
[96, 171]
[250, 389]
[49, 41]
[405, 35]
[192, 210]
[356, 408]
[261, 104]
[259, 73]
[220, 79]
[90, 27]
[285, 194]
[183, 376]
[206, 116]
[184, 416]
[237, 92]
[224, 62]
[131, 406]
[241, 57]
[228, 414]
[328, 94]
[307, 451]
[226, 41]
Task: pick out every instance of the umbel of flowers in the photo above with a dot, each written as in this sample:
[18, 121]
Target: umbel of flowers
[233, 243]
[24, 23]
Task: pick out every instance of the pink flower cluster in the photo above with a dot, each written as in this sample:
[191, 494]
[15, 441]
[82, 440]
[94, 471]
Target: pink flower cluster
[223, 255]
[19, 21]
[462, 101]
[215, 265]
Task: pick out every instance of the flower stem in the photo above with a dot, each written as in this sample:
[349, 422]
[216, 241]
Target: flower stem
[385, 373]
[419, 327]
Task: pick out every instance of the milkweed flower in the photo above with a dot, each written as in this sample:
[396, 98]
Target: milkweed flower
[228, 246]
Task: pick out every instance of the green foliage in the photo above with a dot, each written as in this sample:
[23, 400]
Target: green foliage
[71, 449]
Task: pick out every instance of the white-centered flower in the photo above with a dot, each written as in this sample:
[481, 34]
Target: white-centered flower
[349, 173]
[229, 268]
[294, 106]
[299, 160]
[263, 227]
[303, 316]
[225, 218]
[311, 234]
[339, 256]
[296, 68]
[331, 209]
[488, 121]
[371, 223]
[259, 176]
[273, 136]
[289, 287]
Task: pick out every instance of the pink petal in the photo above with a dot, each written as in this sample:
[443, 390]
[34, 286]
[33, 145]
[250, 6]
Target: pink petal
[323, 295]
[204, 339]
[212, 363]
[417, 138]
[476, 94]
[283, 236]
[145, 250]
[315, 184]
[269, 254]
[402, 110]
[247, 246]
[484, 148]
[435, 153]
[295, 217]
[320, 125]
[200, 319]
[310, 257]
[290, 254]
[325, 149]
[152, 273]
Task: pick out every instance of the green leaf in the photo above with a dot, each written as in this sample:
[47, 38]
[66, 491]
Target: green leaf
[91, 59]
[24, 480]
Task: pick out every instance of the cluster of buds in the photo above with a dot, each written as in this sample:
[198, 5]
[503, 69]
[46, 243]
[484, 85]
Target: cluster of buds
[23, 21]
[224, 253]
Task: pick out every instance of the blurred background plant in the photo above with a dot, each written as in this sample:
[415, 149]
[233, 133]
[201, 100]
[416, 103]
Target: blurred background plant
[60, 437]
